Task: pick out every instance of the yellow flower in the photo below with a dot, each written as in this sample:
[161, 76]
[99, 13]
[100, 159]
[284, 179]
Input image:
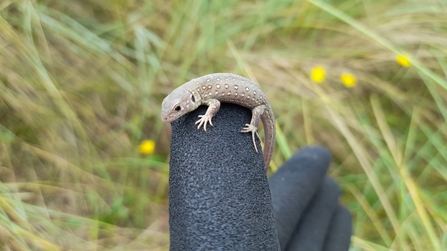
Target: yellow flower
[403, 60]
[147, 147]
[348, 80]
[318, 74]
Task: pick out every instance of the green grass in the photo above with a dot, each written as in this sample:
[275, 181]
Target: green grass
[81, 84]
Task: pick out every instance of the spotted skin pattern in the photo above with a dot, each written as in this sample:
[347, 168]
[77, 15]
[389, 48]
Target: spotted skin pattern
[215, 88]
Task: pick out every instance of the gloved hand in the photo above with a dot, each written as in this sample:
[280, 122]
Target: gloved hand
[220, 198]
[305, 204]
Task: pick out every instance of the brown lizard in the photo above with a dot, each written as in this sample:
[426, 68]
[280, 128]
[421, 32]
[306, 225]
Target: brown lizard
[214, 88]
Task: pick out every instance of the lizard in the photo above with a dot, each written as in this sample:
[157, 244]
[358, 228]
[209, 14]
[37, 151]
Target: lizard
[211, 90]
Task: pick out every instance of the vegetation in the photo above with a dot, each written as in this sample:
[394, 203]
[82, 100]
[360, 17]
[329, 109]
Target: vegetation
[81, 83]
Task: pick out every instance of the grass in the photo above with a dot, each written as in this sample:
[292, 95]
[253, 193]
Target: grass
[81, 83]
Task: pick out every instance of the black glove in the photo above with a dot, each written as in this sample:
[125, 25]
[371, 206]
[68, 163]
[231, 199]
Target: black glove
[305, 204]
[219, 197]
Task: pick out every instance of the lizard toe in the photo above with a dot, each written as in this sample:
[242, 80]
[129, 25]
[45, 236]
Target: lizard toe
[249, 128]
[204, 120]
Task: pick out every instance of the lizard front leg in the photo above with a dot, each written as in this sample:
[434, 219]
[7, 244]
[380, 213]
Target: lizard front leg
[213, 107]
[254, 123]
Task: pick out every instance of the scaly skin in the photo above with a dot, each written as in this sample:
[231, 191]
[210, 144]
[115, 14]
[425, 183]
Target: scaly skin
[214, 88]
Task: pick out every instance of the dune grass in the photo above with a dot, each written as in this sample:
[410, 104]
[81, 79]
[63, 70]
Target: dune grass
[81, 84]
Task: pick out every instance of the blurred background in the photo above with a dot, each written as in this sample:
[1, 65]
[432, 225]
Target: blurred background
[84, 154]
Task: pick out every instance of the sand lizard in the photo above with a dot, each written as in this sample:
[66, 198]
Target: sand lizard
[214, 88]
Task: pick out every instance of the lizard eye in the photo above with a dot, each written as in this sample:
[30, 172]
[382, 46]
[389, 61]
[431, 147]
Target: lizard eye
[193, 99]
[178, 108]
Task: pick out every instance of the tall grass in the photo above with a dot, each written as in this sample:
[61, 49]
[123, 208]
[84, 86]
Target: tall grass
[81, 84]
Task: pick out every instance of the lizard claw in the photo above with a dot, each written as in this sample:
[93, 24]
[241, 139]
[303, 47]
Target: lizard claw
[254, 130]
[204, 119]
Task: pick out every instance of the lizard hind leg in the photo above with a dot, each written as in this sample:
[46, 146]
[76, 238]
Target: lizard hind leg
[254, 130]
[253, 126]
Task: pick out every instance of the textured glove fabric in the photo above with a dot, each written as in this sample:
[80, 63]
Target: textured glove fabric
[305, 204]
[339, 234]
[219, 198]
[310, 233]
[294, 185]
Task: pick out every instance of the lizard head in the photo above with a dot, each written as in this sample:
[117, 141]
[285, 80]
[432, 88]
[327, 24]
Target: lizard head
[178, 103]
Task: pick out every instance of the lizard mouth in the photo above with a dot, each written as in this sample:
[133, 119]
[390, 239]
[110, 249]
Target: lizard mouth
[168, 117]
